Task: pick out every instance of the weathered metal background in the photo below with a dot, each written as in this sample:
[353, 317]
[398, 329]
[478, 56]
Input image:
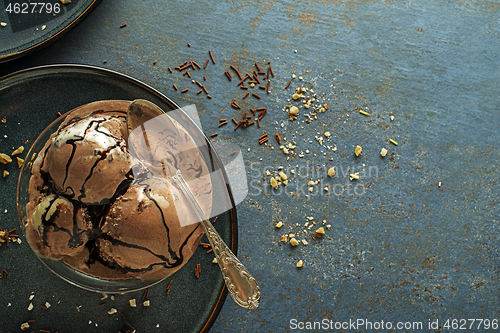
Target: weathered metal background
[400, 247]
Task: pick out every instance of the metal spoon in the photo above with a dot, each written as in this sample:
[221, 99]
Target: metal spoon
[241, 285]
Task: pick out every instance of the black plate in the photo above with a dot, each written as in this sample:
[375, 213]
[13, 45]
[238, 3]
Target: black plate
[30, 27]
[29, 101]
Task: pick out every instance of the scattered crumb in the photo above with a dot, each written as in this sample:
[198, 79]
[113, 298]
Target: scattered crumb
[331, 172]
[320, 231]
[20, 162]
[273, 182]
[146, 303]
[279, 224]
[215, 261]
[30, 307]
[4, 158]
[132, 303]
[294, 242]
[3, 24]
[383, 152]
[358, 150]
[5, 173]
[300, 264]
[25, 326]
[112, 311]
[353, 176]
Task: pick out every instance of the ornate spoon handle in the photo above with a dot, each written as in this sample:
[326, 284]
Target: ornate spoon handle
[241, 285]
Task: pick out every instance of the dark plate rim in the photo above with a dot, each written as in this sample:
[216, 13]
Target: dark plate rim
[55, 68]
[53, 38]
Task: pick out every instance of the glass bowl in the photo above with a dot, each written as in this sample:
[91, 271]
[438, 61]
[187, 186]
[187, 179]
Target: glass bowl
[65, 267]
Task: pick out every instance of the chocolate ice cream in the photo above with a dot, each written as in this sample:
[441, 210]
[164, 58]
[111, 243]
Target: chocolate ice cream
[98, 208]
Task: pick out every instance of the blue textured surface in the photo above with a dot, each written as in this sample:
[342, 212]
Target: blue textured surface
[405, 250]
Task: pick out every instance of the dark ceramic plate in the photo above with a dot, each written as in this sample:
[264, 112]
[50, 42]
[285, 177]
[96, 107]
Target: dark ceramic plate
[31, 24]
[29, 101]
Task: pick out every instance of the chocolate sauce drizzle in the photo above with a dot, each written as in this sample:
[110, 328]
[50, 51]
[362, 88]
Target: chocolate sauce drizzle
[97, 212]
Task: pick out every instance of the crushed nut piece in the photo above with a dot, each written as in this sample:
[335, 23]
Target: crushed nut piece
[320, 231]
[284, 238]
[353, 176]
[383, 152]
[65, 2]
[18, 151]
[20, 162]
[283, 175]
[294, 242]
[25, 326]
[146, 303]
[30, 307]
[3, 24]
[294, 110]
[215, 261]
[331, 172]
[358, 150]
[132, 302]
[4, 158]
[5, 173]
[300, 264]
[274, 183]
[112, 311]
[279, 224]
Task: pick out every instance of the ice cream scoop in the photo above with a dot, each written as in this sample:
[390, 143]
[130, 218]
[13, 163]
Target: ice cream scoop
[95, 209]
[242, 286]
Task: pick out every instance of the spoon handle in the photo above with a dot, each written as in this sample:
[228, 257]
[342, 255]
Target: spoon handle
[241, 285]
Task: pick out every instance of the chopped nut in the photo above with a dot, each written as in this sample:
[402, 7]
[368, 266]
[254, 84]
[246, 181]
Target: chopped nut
[5, 173]
[331, 172]
[311, 182]
[383, 152]
[279, 224]
[328, 134]
[215, 261]
[18, 151]
[353, 176]
[25, 326]
[311, 189]
[20, 162]
[283, 175]
[284, 238]
[146, 303]
[4, 158]
[30, 307]
[300, 264]
[304, 242]
[47, 305]
[132, 302]
[294, 110]
[3, 24]
[112, 311]
[274, 183]
[294, 242]
[358, 150]
[320, 231]
[43, 27]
